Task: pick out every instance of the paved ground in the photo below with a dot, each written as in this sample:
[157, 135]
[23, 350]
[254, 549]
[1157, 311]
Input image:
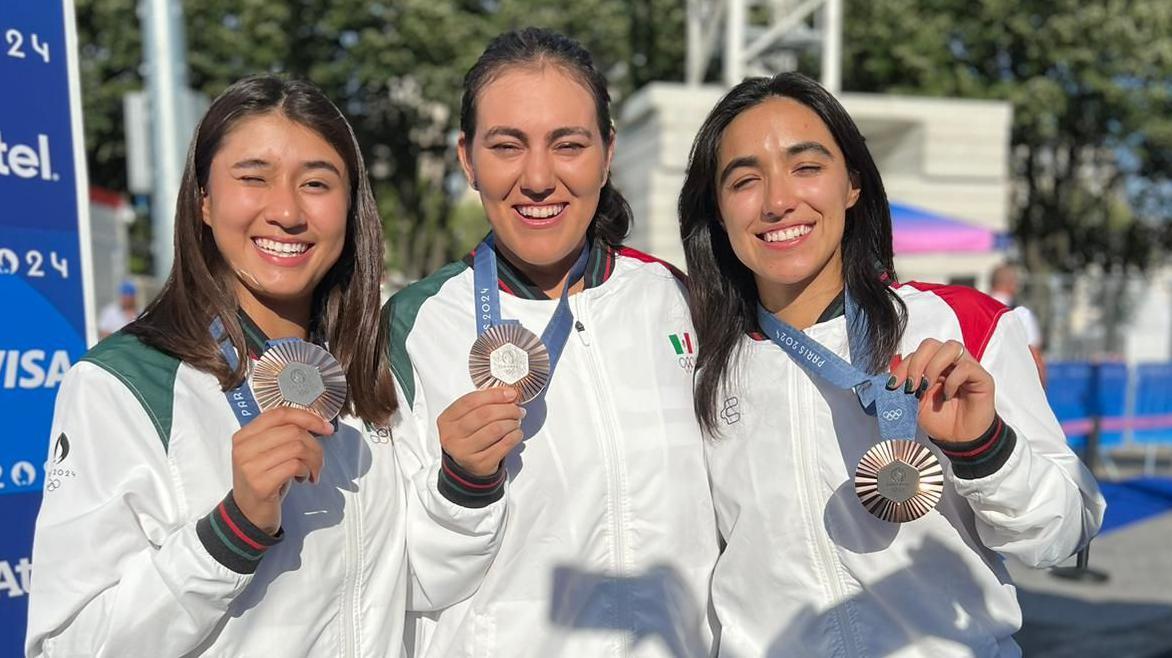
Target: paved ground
[1127, 616]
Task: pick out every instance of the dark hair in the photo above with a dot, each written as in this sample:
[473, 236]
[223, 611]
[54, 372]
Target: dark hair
[724, 292]
[202, 286]
[534, 46]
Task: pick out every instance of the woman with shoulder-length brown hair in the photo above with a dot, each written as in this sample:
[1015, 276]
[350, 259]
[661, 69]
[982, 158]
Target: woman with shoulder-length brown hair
[207, 277]
[222, 470]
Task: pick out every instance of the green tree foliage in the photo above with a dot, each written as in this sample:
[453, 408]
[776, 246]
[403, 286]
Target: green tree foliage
[1091, 85]
[395, 67]
[110, 59]
[1089, 82]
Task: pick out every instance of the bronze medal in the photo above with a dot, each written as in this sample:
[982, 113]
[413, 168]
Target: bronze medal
[301, 375]
[510, 355]
[899, 480]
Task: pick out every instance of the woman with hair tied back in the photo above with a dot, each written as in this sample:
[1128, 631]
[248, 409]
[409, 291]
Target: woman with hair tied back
[891, 444]
[222, 489]
[610, 538]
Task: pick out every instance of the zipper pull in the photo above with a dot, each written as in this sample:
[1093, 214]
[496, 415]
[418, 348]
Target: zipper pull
[581, 331]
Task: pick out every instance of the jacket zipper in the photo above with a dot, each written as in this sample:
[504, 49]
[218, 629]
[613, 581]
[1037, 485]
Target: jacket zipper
[612, 459]
[826, 555]
[352, 567]
[580, 329]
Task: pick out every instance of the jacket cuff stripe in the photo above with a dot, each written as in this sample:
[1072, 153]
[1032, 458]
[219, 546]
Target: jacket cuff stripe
[226, 539]
[985, 455]
[231, 539]
[236, 531]
[467, 490]
[986, 441]
[245, 528]
[477, 486]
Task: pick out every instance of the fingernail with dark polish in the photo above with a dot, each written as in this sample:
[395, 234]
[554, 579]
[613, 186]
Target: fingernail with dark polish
[908, 387]
[923, 388]
[892, 383]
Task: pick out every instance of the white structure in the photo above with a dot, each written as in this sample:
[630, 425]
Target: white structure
[947, 156]
[1149, 336]
[768, 43]
[165, 50]
[110, 219]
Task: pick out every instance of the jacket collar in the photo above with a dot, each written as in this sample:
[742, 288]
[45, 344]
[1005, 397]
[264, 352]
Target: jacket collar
[254, 337]
[836, 308]
[599, 267]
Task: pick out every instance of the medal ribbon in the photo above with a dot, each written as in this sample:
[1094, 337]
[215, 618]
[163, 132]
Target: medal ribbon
[895, 410]
[241, 399]
[488, 300]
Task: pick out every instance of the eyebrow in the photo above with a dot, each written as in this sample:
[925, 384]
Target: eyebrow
[321, 164]
[570, 131]
[258, 163]
[752, 161]
[802, 147]
[737, 163]
[505, 131]
[251, 163]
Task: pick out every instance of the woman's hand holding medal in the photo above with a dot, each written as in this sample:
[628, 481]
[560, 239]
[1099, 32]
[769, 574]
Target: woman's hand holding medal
[479, 429]
[268, 453]
[955, 391]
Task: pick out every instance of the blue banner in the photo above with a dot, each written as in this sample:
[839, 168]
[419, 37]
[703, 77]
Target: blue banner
[43, 291]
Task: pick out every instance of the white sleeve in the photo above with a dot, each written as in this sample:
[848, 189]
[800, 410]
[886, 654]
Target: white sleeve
[1029, 322]
[1041, 505]
[118, 573]
[450, 546]
[110, 320]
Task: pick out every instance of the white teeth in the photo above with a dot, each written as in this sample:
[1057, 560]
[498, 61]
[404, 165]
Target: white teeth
[541, 212]
[281, 248]
[791, 233]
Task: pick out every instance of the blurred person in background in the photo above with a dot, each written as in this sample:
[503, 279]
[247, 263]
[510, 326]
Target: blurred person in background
[120, 312]
[1004, 286]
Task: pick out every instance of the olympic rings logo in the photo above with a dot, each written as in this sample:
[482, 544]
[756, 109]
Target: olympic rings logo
[382, 436]
[893, 414]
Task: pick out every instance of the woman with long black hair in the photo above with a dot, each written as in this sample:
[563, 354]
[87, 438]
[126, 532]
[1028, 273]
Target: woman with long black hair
[874, 449]
[610, 538]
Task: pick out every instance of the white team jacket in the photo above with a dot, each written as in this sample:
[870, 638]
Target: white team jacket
[611, 538]
[808, 572]
[142, 452]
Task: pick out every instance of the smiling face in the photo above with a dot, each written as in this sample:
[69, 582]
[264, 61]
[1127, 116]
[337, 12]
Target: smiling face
[783, 191]
[538, 161]
[276, 201]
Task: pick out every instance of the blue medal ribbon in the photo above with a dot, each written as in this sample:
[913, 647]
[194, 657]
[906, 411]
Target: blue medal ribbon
[895, 410]
[488, 300]
[241, 399]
